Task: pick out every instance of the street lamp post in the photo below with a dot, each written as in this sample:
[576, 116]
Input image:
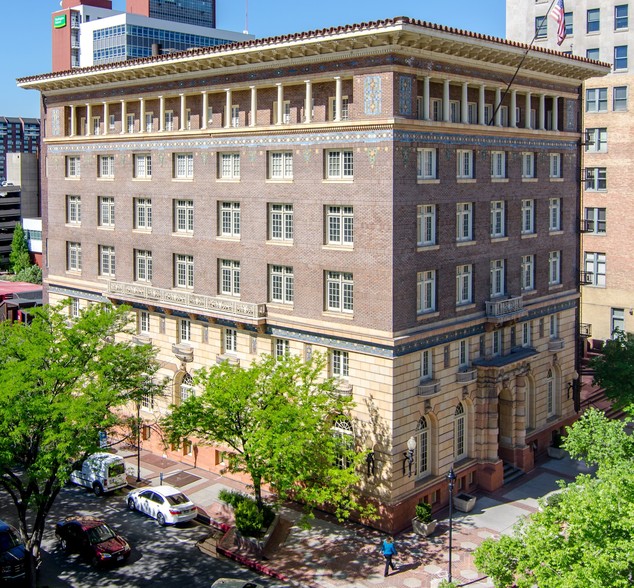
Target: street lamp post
[451, 478]
[138, 441]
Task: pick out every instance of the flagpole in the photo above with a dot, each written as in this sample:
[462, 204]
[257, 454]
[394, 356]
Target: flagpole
[530, 46]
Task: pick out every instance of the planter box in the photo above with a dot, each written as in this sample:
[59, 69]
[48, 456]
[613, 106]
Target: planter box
[464, 502]
[556, 452]
[423, 529]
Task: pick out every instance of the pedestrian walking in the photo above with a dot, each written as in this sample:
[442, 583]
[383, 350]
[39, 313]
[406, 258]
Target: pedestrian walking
[389, 550]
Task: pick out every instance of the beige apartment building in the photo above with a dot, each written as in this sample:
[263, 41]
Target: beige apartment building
[367, 191]
[599, 30]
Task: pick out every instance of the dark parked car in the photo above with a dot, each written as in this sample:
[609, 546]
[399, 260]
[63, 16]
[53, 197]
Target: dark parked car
[12, 554]
[93, 539]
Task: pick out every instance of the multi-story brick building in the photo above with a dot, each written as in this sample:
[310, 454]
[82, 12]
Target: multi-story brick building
[351, 191]
[597, 29]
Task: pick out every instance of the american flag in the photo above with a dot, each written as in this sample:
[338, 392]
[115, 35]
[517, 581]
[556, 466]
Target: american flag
[557, 14]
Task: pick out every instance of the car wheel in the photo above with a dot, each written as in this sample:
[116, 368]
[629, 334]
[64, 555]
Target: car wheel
[160, 519]
[97, 488]
[131, 505]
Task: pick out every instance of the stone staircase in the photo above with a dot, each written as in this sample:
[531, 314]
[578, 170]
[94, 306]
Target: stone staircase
[511, 473]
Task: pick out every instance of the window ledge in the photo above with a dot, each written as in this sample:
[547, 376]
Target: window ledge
[105, 179]
[338, 247]
[427, 181]
[427, 315]
[228, 180]
[427, 247]
[557, 232]
[338, 180]
[104, 228]
[499, 239]
[280, 181]
[556, 179]
[141, 230]
[499, 180]
[177, 234]
[465, 243]
[466, 180]
[72, 178]
[276, 242]
[229, 238]
[182, 179]
[529, 235]
[338, 314]
[142, 179]
[529, 180]
[552, 287]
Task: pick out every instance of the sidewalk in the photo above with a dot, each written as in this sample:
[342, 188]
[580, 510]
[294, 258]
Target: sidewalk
[331, 555]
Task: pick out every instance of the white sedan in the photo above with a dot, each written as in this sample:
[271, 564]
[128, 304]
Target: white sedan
[234, 583]
[168, 505]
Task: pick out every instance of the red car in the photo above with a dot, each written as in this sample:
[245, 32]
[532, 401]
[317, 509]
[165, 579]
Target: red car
[93, 539]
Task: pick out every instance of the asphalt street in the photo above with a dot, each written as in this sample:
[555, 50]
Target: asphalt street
[162, 557]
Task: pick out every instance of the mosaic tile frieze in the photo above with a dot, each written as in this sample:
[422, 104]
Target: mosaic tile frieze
[56, 124]
[405, 84]
[372, 95]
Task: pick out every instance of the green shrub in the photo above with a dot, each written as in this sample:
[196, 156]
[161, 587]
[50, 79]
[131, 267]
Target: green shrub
[233, 497]
[249, 518]
[423, 512]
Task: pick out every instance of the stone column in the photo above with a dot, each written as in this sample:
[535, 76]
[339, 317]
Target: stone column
[88, 119]
[161, 113]
[280, 104]
[498, 107]
[481, 104]
[338, 99]
[426, 98]
[73, 121]
[124, 116]
[542, 112]
[520, 411]
[464, 103]
[513, 113]
[445, 100]
[555, 113]
[183, 122]
[142, 128]
[106, 118]
[254, 106]
[227, 108]
[528, 124]
[205, 107]
[308, 102]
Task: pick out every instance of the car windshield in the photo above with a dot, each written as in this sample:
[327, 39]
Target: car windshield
[8, 540]
[116, 469]
[177, 499]
[100, 534]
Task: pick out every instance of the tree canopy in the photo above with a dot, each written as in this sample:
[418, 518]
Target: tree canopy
[584, 536]
[279, 418]
[60, 381]
[614, 369]
[19, 257]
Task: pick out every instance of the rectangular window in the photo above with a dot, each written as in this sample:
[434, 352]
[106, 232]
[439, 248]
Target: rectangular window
[527, 275]
[142, 166]
[183, 166]
[596, 179]
[106, 211]
[528, 165]
[282, 348]
[498, 164]
[596, 100]
[618, 320]
[426, 221]
[230, 341]
[339, 364]
[595, 221]
[553, 330]
[568, 23]
[149, 122]
[73, 166]
[488, 114]
[73, 256]
[465, 163]
[345, 108]
[96, 125]
[143, 213]
[528, 216]
[229, 277]
[111, 121]
[130, 123]
[169, 120]
[597, 140]
[526, 334]
[184, 271]
[464, 284]
[281, 222]
[621, 17]
[281, 165]
[235, 115]
[497, 343]
[143, 265]
[619, 99]
[106, 261]
[426, 291]
[286, 112]
[339, 164]
[498, 224]
[593, 53]
[73, 210]
[106, 166]
[454, 111]
[620, 57]
[340, 225]
[594, 267]
[463, 354]
[339, 292]
[184, 216]
[498, 278]
[229, 216]
[282, 284]
[554, 268]
[554, 168]
[144, 322]
[472, 113]
[593, 21]
[426, 365]
[464, 221]
[229, 166]
[541, 27]
[184, 330]
[435, 108]
[426, 164]
[75, 308]
[554, 214]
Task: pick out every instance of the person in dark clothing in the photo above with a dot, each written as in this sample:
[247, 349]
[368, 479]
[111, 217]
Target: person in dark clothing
[389, 550]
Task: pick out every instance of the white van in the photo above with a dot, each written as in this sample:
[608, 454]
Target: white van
[103, 472]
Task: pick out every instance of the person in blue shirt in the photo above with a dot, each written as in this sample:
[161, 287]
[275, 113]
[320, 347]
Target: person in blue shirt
[389, 550]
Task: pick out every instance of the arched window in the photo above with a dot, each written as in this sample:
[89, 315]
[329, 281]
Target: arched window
[183, 387]
[342, 430]
[550, 394]
[460, 433]
[423, 465]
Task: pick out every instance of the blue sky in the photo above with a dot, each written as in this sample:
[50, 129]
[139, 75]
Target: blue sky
[25, 42]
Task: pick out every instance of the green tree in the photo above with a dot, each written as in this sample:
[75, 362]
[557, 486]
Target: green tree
[586, 536]
[277, 418]
[614, 369]
[19, 256]
[31, 274]
[60, 382]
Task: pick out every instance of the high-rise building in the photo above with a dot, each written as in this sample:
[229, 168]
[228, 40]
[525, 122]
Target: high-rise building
[17, 135]
[90, 32]
[370, 192]
[597, 30]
